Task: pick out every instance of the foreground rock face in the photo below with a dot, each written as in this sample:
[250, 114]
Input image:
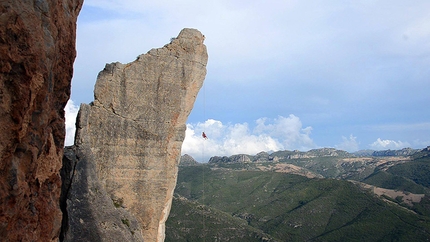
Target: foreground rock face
[37, 51]
[133, 131]
[91, 216]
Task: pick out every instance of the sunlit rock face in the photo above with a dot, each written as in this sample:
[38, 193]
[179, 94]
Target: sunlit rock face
[37, 51]
[134, 129]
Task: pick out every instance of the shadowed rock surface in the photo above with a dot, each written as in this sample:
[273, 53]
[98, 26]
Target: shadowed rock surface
[37, 51]
[133, 131]
[94, 216]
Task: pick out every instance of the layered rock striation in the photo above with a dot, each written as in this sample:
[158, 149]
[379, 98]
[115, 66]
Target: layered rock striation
[133, 132]
[37, 51]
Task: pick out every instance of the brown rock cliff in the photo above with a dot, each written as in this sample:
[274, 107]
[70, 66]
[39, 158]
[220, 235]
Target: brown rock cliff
[37, 51]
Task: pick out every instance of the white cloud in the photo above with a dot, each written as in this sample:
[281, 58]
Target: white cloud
[349, 144]
[289, 130]
[385, 144]
[71, 112]
[228, 139]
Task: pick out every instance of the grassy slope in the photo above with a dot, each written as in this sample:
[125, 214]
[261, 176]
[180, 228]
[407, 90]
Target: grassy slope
[418, 171]
[390, 181]
[413, 176]
[295, 208]
[401, 176]
[329, 167]
[192, 221]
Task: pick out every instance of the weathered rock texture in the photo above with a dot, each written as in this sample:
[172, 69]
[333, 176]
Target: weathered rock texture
[37, 51]
[92, 215]
[135, 127]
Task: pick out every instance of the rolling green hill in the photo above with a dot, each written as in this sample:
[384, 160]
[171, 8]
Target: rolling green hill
[389, 180]
[418, 171]
[192, 221]
[251, 205]
[413, 176]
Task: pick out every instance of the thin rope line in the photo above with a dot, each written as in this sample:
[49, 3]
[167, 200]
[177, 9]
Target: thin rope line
[203, 156]
[203, 200]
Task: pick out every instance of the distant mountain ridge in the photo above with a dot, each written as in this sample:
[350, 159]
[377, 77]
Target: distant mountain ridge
[402, 152]
[295, 154]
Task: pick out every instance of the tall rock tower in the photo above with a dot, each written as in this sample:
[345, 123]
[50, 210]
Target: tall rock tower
[135, 127]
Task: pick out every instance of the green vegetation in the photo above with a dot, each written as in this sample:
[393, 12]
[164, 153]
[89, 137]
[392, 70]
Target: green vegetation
[418, 171]
[333, 167]
[126, 222]
[192, 221]
[390, 181]
[117, 202]
[235, 202]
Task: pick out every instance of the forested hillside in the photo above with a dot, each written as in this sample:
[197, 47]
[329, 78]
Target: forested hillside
[258, 201]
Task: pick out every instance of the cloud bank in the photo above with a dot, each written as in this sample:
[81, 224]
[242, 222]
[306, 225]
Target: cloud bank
[386, 144]
[227, 139]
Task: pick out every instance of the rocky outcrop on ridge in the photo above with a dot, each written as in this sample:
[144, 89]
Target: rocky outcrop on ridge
[402, 152]
[315, 153]
[242, 158]
[219, 159]
[132, 134]
[279, 155]
[37, 51]
[382, 153]
[187, 160]
[322, 152]
[263, 157]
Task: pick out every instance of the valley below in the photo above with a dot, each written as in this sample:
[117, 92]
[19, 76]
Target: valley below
[319, 195]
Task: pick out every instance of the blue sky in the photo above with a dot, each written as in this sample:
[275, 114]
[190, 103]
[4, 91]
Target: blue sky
[281, 74]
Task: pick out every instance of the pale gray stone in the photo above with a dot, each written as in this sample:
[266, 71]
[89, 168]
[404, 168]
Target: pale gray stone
[134, 129]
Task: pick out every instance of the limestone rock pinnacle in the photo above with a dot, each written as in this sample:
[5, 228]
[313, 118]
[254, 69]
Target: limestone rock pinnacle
[135, 127]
